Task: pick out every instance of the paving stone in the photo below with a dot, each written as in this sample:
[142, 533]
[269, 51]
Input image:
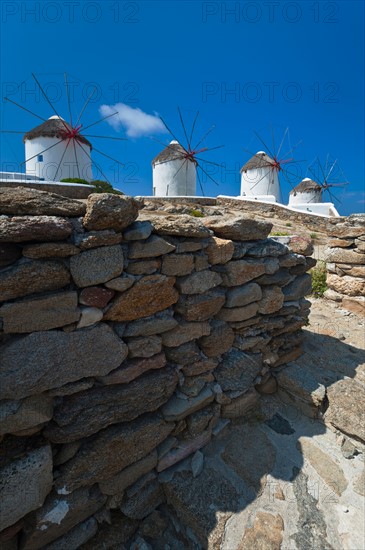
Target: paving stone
[345, 410]
[265, 534]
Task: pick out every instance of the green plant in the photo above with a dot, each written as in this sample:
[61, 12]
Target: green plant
[104, 187]
[319, 275]
[196, 213]
[75, 180]
[313, 235]
[278, 234]
[288, 224]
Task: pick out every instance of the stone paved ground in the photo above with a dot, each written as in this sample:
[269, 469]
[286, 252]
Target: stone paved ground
[279, 479]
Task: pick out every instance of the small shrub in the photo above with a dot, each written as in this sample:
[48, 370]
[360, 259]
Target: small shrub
[104, 187]
[319, 275]
[313, 235]
[196, 213]
[75, 180]
[288, 224]
[279, 234]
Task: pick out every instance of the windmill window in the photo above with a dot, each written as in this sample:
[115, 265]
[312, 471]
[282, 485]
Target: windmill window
[40, 158]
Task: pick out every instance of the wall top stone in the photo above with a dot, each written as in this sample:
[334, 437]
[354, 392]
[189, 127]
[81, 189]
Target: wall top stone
[20, 200]
[238, 228]
[106, 211]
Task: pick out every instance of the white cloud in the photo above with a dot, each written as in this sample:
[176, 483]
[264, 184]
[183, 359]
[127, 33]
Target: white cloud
[135, 121]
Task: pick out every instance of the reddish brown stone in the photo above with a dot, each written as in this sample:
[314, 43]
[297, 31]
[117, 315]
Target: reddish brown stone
[96, 296]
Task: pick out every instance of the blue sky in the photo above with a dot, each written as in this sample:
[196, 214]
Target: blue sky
[245, 66]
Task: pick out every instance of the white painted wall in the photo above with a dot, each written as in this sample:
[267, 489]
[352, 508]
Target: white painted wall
[172, 179]
[47, 168]
[309, 197]
[269, 184]
[320, 209]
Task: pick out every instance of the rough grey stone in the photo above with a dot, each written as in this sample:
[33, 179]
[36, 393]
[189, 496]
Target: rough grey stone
[93, 239]
[238, 272]
[37, 362]
[97, 265]
[23, 200]
[143, 497]
[238, 228]
[155, 324]
[301, 286]
[25, 482]
[31, 277]
[184, 354]
[185, 332]
[76, 537]
[201, 307]
[199, 282]
[120, 284]
[112, 450]
[236, 314]
[144, 346]
[43, 313]
[220, 339]
[16, 416]
[125, 478]
[238, 370]
[154, 246]
[181, 225]
[34, 228]
[107, 211]
[177, 264]
[243, 295]
[267, 247]
[177, 409]
[137, 231]
[86, 413]
[50, 250]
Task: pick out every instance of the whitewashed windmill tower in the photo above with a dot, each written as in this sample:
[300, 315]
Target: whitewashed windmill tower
[306, 192]
[174, 174]
[259, 177]
[52, 154]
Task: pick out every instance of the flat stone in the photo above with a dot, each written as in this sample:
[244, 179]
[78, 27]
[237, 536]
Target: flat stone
[356, 304]
[180, 225]
[272, 300]
[34, 228]
[238, 272]
[340, 243]
[301, 245]
[200, 307]
[16, 416]
[185, 448]
[117, 534]
[86, 413]
[238, 228]
[220, 339]
[360, 245]
[267, 247]
[241, 405]
[188, 245]
[143, 267]
[300, 269]
[300, 383]
[219, 251]
[236, 314]
[330, 294]
[112, 450]
[344, 256]
[280, 278]
[9, 254]
[329, 471]
[185, 332]
[351, 286]
[147, 296]
[89, 316]
[238, 370]
[184, 354]
[152, 247]
[345, 410]
[177, 264]
[23, 200]
[201, 420]
[138, 231]
[50, 250]
[272, 265]
[243, 295]
[144, 346]
[93, 239]
[25, 482]
[37, 362]
[143, 497]
[72, 387]
[107, 211]
[120, 284]
[77, 536]
[97, 266]
[301, 286]
[291, 260]
[266, 533]
[197, 463]
[193, 385]
[43, 313]
[202, 504]
[198, 282]
[130, 370]
[119, 482]
[155, 324]
[32, 277]
[96, 296]
[200, 367]
[58, 515]
[353, 270]
[177, 409]
[347, 230]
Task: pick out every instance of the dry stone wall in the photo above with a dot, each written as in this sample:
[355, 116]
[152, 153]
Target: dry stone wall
[345, 257]
[126, 345]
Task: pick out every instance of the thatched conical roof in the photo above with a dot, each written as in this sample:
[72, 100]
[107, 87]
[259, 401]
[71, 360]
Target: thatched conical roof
[53, 127]
[306, 186]
[260, 160]
[173, 151]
